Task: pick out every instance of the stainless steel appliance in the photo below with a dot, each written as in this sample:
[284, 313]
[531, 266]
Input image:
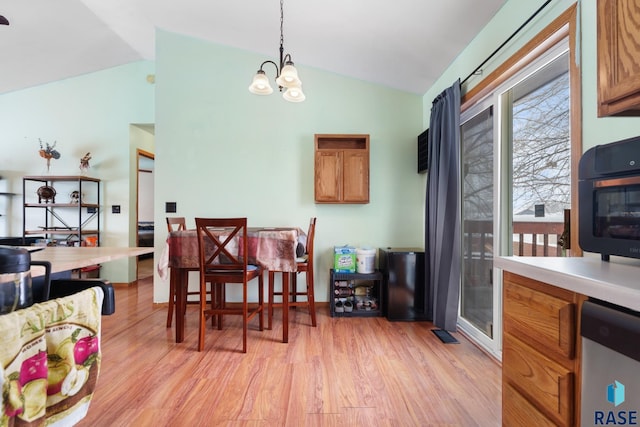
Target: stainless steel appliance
[405, 293]
[609, 199]
[15, 277]
[16, 289]
[610, 365]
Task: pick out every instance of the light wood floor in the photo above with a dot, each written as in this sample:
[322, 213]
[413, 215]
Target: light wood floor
[145, 268]
[344, 372]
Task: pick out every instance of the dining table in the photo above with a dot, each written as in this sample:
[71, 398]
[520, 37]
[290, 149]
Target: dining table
[272, 248]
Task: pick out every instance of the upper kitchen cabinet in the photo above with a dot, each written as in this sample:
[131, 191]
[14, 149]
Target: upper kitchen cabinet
[618, 58]
[342, 168]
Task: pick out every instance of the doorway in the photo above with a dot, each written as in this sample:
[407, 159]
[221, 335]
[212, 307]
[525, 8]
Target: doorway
[144, 211]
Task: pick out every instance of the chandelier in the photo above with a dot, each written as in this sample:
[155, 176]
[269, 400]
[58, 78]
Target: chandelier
[286, 74]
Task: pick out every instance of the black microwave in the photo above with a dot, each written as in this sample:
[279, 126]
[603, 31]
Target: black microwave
[609, 199]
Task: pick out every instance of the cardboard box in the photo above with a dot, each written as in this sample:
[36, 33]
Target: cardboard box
[344, 260]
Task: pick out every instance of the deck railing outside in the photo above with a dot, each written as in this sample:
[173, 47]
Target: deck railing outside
[537, 238]
[530, 238]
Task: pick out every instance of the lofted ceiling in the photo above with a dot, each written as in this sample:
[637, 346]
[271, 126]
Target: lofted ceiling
[402, 44]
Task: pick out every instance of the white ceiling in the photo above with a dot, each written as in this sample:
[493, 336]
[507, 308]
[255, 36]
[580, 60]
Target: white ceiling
[403, 44]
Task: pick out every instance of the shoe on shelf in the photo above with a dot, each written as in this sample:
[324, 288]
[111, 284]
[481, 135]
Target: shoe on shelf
[348, 306]
[339, 307]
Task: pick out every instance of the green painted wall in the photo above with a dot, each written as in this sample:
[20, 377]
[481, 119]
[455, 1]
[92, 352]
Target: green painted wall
[90, 113]
[221, 151]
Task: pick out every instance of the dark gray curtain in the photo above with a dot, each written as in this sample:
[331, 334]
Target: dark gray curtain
[442, 228]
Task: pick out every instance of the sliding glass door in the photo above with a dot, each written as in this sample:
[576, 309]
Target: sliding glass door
[476, 304]
[516, 184]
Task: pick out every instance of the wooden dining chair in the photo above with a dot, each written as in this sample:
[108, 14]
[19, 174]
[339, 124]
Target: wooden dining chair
[174, 224]
[304, 264]
[179, 224]
[222, 244]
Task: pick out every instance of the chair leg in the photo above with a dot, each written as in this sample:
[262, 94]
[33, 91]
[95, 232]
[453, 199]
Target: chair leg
[213, 303]
[220, 300]
[311, 297]
[172, 301]
[311, 303]
[245, 321]
[294, 289]
[261, 301]
[271, 300]
[202, 319]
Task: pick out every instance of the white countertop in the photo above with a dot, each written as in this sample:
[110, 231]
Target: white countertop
[617, 283]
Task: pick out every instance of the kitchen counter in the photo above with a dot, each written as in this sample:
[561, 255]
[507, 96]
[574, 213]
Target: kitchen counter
[608, 281]
[70, 258]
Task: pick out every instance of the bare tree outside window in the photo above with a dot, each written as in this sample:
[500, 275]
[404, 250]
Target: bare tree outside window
[477, 166]
[542, 150]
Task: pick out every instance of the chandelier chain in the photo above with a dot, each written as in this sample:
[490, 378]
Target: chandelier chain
[281, 22]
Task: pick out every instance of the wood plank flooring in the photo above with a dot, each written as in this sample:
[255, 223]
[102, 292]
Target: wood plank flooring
[344, 372]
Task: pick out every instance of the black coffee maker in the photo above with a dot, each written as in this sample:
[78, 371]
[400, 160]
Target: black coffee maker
[16, 289]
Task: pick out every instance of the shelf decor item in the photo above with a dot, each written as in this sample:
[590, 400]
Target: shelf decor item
[46, 193]
[48, 153]
[84, 163]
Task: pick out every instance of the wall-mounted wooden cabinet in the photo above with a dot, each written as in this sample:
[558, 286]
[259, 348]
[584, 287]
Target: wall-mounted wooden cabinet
[618, 58]
[342, 168]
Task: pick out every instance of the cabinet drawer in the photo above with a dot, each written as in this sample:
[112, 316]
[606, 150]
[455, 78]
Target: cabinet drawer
[548, 383]
[549, 320]
[518, 411]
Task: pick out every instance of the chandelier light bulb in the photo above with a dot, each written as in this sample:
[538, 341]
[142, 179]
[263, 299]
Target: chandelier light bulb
[294, 94]
[260, 84]
[288, 76]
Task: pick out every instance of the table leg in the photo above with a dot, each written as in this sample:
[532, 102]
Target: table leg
[271, 301]
[285, 306]
[180, 276]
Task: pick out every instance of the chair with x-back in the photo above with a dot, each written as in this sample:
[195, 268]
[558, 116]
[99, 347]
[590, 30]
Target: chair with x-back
[223, 249]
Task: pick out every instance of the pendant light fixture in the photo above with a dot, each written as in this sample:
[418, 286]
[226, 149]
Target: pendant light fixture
[286, 74]
[3, 20]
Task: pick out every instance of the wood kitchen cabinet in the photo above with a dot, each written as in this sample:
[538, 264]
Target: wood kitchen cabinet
[341, 168]
[541, 353]
[618, 58]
